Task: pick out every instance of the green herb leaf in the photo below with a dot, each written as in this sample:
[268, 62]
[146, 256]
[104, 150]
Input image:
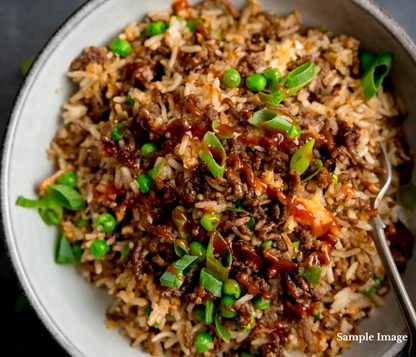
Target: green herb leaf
[212, 149]
[64, 253]
[222, 331]
[311, 274]
[210, 282]
[155, 171]
[302, 158]
[372, 79]
[66, 196]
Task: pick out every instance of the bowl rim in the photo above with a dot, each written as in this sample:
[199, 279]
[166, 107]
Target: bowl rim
[57, 37]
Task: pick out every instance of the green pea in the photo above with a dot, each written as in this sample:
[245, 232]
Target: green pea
[129, 100]
[83, 223]
[267, 244]
[68, 179]
[256, 82]
[191, 24]
[77, 251]
[145, 182]
[210, 221]
[122, 47]
[231, 287]
[272, 75]
[231, 78]
[156, 28]
[107, 222]
[249, 327]
[147, 148]
[226, 307]
[261, 303]
[99, 248]
[197, 249]
[115, 134]
[26, 66]
[203, 342]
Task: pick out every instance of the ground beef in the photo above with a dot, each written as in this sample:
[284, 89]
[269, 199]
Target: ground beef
[91, 55]
[308, 337]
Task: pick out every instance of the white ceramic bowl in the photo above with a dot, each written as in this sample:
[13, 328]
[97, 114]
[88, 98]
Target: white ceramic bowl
[72, 309]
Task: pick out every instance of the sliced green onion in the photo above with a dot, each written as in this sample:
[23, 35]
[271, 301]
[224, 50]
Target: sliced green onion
[28, 203]
[302, 158]
[181, 247]
[64, 253]
[174, 276]
[267, 244]
[68, 179]
[215, 125]
[212, 149]
[213, 265]
[316, 316]
[377, 285]
[334, 179]
[272, 75]
[319, 166]
[372, 79]
[115, 134]
[367, 59]
[209, 312]
[406, 195]
[77, 251]
[155, 171]
[269, 99]
[301, 76]
[217, 35]
[222, 331]
[66, 196]
[210, 282]
[311, 274]
[26, 66]
[261, 116]
[53, 212]
[129, 100]
[125, 252]
[295, 246]
[182, 221]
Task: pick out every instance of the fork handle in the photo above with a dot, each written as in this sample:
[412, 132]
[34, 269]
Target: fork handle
[395, 280]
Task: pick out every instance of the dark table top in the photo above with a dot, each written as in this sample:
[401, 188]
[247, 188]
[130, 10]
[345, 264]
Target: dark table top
[25, 26]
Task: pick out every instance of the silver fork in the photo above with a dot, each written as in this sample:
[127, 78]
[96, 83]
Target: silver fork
[386, 257]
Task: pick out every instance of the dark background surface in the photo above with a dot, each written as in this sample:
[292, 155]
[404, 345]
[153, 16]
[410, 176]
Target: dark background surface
[25, 26]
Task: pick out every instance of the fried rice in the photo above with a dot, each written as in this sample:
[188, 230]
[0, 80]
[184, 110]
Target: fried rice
[168, 91]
